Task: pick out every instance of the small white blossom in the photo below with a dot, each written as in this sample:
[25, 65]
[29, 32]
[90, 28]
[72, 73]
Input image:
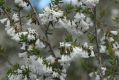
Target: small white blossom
[15, 17]
[110, 39]
[55, 74]
[102, 49]
[24, 54]
[31, 37]
[78, 17]
[51, 59]
[23, 47]
[90, 3]
[65, 58]
[20, 3]
[84, 25]
[103, 69]
[114, 32]
[61, 44]
[3, 20]
[97, 77]
[39, 44]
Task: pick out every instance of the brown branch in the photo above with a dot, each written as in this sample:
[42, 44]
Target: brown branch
[49, 45]
[39, 22]
[98, 56]
[20, 22]
[7, 14]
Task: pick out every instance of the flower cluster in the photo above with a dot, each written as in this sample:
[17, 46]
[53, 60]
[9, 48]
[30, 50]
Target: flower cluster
[37, 66]
[79, 24]
[20, 3]
[109, 40]
[90, 3]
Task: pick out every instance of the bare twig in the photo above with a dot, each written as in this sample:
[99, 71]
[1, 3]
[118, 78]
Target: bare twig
[98, 56]
[20, 22]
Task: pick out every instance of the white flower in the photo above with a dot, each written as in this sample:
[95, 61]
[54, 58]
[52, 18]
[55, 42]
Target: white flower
[65, 58]
[11, 32]
[62, 44]
[115, 45]
[24, 54]
[30, 47]
[16, 37]
[79, 17]
[23, 4]
[19, 71]
[89, 21]
[110, 39]
[62, 78]
[97, 77]
[48, 10]
[39, 44]
[8, 24]
[114, 32]
[40, 60]
[67, 44]
[85, 45]
[84, 25]
[58, 14]
[103, 69]
[79, 52]
[51, 59]
[31, 37]
[117, 53]
[15, 17]
[17, 1]
[91, 74]
[102, 49]
[32, 31]
[47, 69]
[3, 20]
[90, 3]
[20, 3]
[23, 47]
[55, 74]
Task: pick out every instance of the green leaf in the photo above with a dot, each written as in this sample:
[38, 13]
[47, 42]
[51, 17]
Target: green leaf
[26, 72]
[86, 65]
[2, 50]
[69, 38]
[23, 38]
[56, 2]
[2, 2]
[36, 52]
[111, 51]
[69, 8]
[91, 38]
[13, 69]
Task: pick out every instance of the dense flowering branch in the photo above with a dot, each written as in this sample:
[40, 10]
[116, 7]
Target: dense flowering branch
[53, 67]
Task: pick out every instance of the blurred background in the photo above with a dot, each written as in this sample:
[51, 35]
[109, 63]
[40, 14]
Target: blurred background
[107, 13]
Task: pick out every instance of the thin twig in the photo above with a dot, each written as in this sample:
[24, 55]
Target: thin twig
[98, 56]
[20, 22]
[7, 14]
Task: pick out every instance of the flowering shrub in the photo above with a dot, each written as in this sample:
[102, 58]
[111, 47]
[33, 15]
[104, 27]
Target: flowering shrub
[77, 20]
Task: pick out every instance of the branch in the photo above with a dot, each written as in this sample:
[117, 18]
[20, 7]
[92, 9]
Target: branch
[7, 14]
[98, 56]
[20, 22]
[49, 45]
[39, 22]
